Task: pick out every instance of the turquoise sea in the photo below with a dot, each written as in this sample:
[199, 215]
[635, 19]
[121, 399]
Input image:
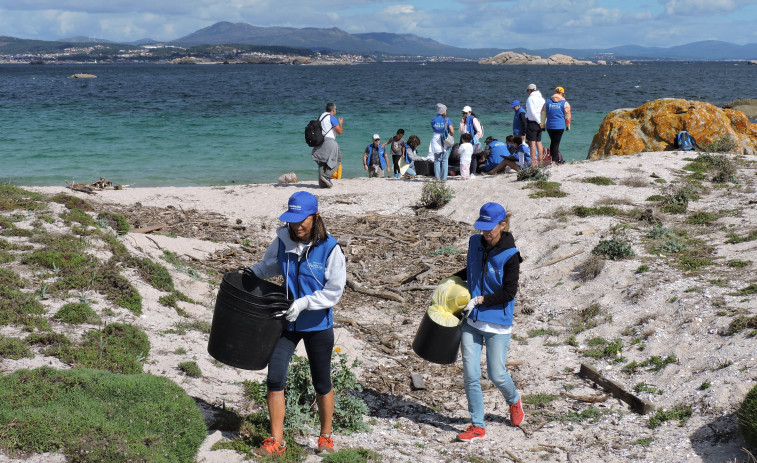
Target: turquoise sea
[157, 125]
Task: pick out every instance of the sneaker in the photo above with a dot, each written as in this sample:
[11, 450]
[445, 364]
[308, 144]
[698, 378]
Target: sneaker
[516, 413]
[473, 432]
[270, 446]
[325, 182]
[397, 175]
[325, 444]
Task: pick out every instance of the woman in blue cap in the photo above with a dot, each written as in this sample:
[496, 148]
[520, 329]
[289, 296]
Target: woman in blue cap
[491, 274]
[313, 266]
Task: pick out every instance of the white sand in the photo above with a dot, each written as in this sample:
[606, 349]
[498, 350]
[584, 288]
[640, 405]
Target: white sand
[676, 313]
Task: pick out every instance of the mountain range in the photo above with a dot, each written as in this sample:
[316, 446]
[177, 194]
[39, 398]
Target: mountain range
[386, 45]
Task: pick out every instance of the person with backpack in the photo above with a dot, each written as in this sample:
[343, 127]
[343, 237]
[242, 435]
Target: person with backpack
[470, 124]
[375, 159]
[441, 125]
[327, 154]
[557, 110]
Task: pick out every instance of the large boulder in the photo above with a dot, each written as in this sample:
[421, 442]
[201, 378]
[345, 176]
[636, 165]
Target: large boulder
[747, 106]
[511, 57]
[653, 127]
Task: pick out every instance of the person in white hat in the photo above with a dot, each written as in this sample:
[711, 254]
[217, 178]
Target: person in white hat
[470, 124]
[375, 159]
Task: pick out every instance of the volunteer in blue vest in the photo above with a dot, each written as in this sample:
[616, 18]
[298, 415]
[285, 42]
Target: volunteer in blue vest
[314, 271]
[375, 159]
[519, 119]
[470, 124]
[436, 147]
[557, 110]
[493, 266]
[498, 157]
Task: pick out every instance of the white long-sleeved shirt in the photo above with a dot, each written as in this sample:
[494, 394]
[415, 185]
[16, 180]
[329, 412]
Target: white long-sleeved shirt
[534, 103]
[335, 272]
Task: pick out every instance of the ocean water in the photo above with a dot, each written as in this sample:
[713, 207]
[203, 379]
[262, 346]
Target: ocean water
[158, 125]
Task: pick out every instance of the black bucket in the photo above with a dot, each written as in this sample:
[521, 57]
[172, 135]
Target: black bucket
[424, 168]
[244, 330]
[436, 343]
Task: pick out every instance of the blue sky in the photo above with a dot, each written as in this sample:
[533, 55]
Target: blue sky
[465, 23]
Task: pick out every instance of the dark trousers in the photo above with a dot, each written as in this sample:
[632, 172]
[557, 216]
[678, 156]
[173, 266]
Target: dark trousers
[396, 159]
[555, 135]
[318, 345]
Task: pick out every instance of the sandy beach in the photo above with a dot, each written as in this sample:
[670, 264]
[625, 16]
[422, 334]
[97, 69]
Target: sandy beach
[654, 303]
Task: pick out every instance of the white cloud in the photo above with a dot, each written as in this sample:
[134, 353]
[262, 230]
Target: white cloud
[399, 9]
[702, 7]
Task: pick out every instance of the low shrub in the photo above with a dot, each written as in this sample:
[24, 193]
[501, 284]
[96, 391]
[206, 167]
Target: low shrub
[590, 268]
[583, 211]
[152, 272]
[679, 412]
[724, 144]
[747, 416]
[614, 249]
[190, 369]
[359, 455]
[77, 313]
[604, 181]
[532, 173]
[115, 221]
[14, 348]
[436, 194]
[119, 348]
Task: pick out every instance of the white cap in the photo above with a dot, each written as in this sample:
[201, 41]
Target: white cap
[376, 136]
[467, 109]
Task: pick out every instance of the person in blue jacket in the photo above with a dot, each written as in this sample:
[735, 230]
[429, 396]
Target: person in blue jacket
[313, 266]
[519, 119]
[498, 157]
[375, 159]
[493, 266]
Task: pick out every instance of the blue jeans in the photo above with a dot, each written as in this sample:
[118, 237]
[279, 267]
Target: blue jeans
[496, 354]
[440, 165]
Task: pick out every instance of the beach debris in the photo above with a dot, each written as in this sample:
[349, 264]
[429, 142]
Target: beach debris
[638, 405]
[289, 177]
[150, 229]
[82, 76]
[417, 380]
[97, 185]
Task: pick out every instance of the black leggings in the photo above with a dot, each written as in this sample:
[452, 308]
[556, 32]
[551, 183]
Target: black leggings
[396, 159]
[555, 135]
[318, 345]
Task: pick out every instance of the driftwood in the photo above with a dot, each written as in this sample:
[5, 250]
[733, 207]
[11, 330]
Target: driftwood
[560, 259]
[149, 229]
[392, 296]
[588, 399]
[415, 288]
[638, 405]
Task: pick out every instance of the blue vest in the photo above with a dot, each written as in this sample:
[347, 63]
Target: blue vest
[469, 125]
[518, 128]
[304, 276]
[408, 149]
[555, 114]
[381, 151]
[439, 123]
[497, 152]
[485, 275]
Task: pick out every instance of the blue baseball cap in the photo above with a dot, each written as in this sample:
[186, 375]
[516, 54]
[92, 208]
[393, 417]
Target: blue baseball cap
[515, 103]
[301, 205]
[490, 215]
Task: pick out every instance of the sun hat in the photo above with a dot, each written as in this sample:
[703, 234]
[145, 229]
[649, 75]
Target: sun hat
[531, 87]
[489, 216]
[440, 108]
[301, 205]
[467, 109]
[560, 90]
[376, 136]
[515, 103]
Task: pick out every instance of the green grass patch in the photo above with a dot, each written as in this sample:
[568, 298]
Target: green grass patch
[532, 173]
[14, 198]
[742, 323]
[538, 399]
[676, 198]
[14, 348]
[98, 416]
[20, 308]
[118, 289]
[602, 348]
[584, 211]
[680, 413]
[616, 248]
[77, 313]
[654, 363]
[190, 369]
[152, 272]
[542, 332]
[547, 190]
[119, 348]
[739, 263]
[71, 202]
[48, 339]
[591, 414]
[643, 441]
[644, 268]
[251, 432]
[602, 181]
[701, 218]
[358, 455]
[115, 221]
[587, 318]
[78, 216]
[650, 388]
[734, 238]
[172, 300]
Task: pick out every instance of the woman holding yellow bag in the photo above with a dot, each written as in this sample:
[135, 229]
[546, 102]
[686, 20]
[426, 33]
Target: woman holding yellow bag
[493, 266]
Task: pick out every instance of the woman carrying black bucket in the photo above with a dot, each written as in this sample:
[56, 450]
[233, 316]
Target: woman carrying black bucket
[313, 267]
[491, 274]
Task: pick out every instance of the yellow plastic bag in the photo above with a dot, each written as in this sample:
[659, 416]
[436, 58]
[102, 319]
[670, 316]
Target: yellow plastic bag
[338, 173]
[448, 300]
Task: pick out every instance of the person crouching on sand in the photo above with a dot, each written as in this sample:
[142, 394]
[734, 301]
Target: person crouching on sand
[313, 266]
[493, 265]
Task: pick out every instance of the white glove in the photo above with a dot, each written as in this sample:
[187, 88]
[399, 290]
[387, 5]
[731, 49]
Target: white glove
[294, 310]
[471, 304]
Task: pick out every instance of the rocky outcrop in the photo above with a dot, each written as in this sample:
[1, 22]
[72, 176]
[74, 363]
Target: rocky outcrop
[747, 106]
[511, 57]
[653, 127]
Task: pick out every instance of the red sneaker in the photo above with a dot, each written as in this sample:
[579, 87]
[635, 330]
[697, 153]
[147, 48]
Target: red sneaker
[473, 432]
[270, 446]
[516, 413]
[325, 444]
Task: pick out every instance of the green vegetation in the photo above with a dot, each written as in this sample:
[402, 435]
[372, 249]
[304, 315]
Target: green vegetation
[448, 250]
[701, 218]
[604, 181]
[547, 190]
[252, 430]
[654, 363]
[739, 263]
[705, 385]
[587, 318]
[602, 348]
[542, 332]
[644, 268]
[13, 198]
[644, 441]
[679, 412]
[591, 414]
[78, 216]
[152, 272]
[650, 388]
[724, 144]
[77, 313]
[615, 248]
[583, 211]
[436, 194]
[190, 369]
[733, 238]
[119, 348]
[747, 416]
[115, 221]
[742, 323]
[96, 416]
[538, 399]
[71, 202]
[532, 173]
[590, 268]
[13, 348]
[359, 455]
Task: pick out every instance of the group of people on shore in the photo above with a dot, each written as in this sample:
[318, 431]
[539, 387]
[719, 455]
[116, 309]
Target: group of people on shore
[314, 269]
[469, 156]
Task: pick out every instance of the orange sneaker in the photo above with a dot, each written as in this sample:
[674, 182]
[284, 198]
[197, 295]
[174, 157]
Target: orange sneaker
[270, 446]
[325, 444]
[473, 432]
[516, 413]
